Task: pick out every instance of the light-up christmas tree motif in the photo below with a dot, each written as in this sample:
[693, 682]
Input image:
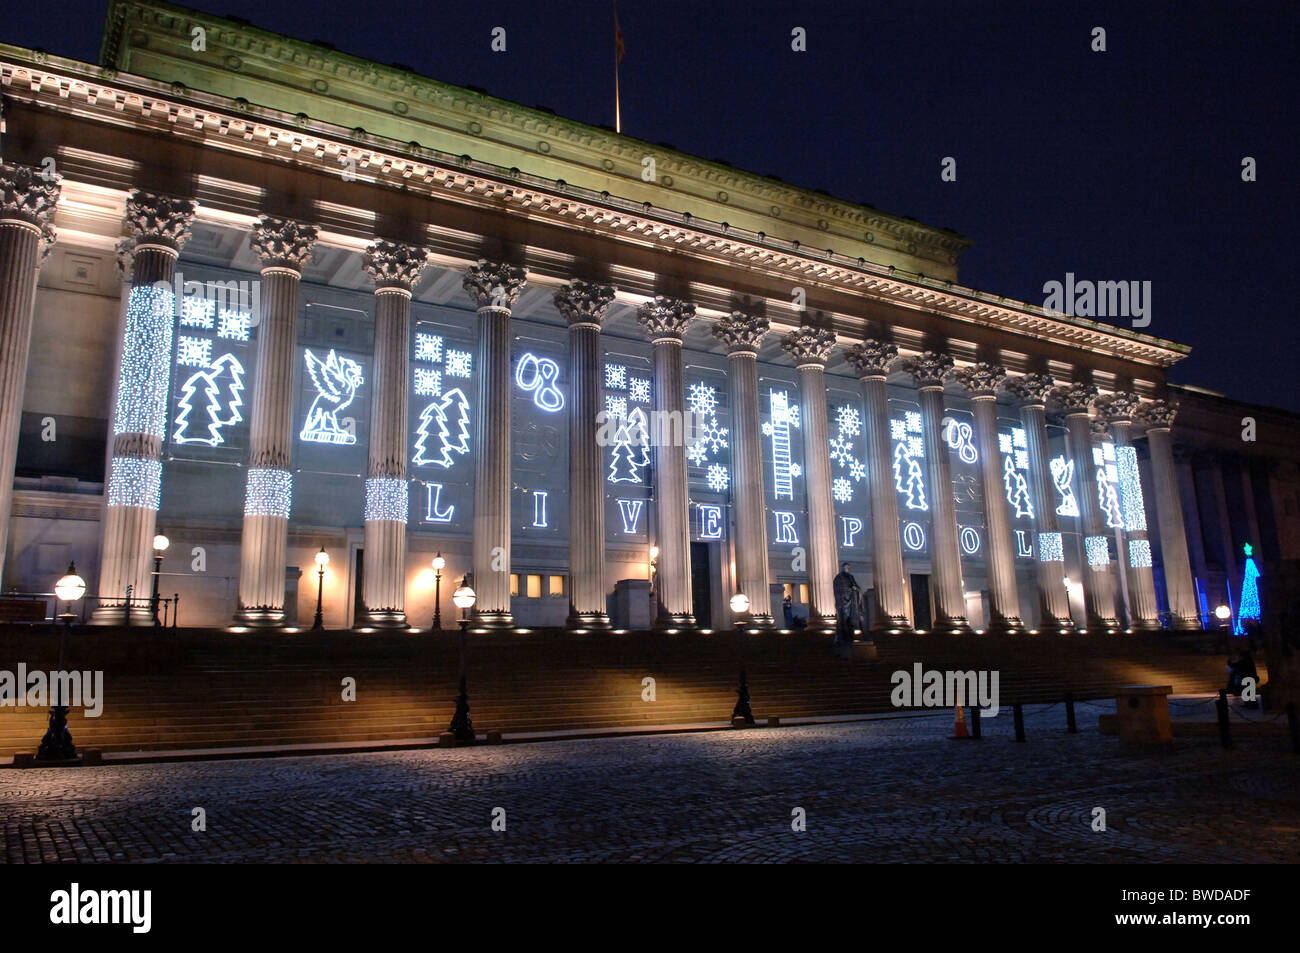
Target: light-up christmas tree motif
[210, 400]
[908, 478]
[448, 418]
[1103, 459]
[1249, 607]
[1017, 488]
[631, 451]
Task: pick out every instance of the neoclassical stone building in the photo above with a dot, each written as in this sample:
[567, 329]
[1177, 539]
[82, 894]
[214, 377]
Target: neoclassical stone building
[271, 299]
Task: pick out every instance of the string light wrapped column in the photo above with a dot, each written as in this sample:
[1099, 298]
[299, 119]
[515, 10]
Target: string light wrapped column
[664, 320]
[929, 370]
[810, 347]
[982, 381]
[742, 334]
[1098, 587]
[1184, 609]
[494, 287]
[872, 359]
[158, 227]
[27, 204]
[395, 269]
[1143, 611]
[583, 304]
[283, 246]
[1053, 600]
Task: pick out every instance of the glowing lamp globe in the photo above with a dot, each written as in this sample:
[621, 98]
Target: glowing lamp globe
[322, 558]
[1222, 613]
[438, 562]
[740, 603]
[654, 552]
[71, 587]
[160, 543]
[464, 597]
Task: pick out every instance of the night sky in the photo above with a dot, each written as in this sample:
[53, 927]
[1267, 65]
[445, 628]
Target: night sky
[1123, 165]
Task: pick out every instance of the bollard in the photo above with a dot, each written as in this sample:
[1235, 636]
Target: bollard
[1222, 706]
[1294, 723]
[975, 722]
[1070, 724]
[1018, 710]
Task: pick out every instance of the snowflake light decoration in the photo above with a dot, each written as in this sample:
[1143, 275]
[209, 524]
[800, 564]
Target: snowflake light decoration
[796, 469]
[717, 478]
[233, 325]
[849, 420]
[638, 389]
[193, 352]
[697, 453]
[198, 312]
[702, 400]
[842, 490]
[459, 363]
[428, 347]
[841, 452]
[857, 470]
[616, 376]
[616, 406]
[428, 382]
[714, 436]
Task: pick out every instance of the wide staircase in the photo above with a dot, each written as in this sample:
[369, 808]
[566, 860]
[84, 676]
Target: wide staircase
[209, 688]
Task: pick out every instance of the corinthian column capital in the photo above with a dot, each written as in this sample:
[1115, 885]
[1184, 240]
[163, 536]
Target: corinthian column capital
[158, 220]
[1121, 406]
[27, 196]
[1076, 398]
[494, 284]
[583, 302]
[394, 265]
[929, 368]
[872, 358]
[982, 379]
[1032, 389]
[283, 243]
[665, 319]
[1157, 414]
[809, 345]
[741, 333]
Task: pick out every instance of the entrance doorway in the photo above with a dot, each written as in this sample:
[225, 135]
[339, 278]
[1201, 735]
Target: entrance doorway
[358, 603]
[922, 619]
[701, 585]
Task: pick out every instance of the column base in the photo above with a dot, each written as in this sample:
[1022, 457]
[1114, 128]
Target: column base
[597, 621]
[260, 617]
[953, 625]
[1147, 625]
[1184, 623]
[1057, 627]
[1006, 626]
[119, 616]
[1103, 627]
[892, 625]
[760, 622]
[385, 619]
[496, 620]
[673, 622]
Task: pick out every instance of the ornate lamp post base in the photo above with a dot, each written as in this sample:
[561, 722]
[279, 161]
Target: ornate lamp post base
[462, 728]
[57, 744]
[742, 712]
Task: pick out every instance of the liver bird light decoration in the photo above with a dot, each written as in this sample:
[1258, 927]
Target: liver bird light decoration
[336, 380]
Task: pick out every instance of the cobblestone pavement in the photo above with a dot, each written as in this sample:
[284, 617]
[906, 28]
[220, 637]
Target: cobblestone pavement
[881, 791]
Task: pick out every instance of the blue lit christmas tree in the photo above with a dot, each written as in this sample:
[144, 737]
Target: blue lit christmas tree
[1249, 607]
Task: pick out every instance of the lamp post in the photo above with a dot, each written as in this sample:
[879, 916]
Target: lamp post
[654, 568]
[742, 711]
[322, 560]
[438, 564]
[160, 544]
[461, 726]
[1223, 614]
[57, 744]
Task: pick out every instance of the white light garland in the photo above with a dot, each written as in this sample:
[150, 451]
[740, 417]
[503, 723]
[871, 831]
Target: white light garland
[269, 493]
[135, 481]
[146, 356]
[387, 499]
[1139, 553]
[1130, 489]
[1050, 548]
[1097, 549]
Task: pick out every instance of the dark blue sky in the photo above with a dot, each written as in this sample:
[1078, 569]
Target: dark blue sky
[1123, 165]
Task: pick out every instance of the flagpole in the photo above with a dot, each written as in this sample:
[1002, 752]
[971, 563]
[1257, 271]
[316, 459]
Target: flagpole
[618, 119]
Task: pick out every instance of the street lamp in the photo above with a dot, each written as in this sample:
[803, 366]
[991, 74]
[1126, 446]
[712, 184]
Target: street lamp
[1223, 613]
[740, 606]
[322, 560]
[57, 744]
[461, 727]
[160, 544]
[438, 564]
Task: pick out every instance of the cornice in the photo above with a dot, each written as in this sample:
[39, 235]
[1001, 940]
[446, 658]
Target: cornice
[93, 93]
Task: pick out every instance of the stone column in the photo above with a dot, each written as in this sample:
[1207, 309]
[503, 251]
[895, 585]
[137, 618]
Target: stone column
[1183, 607]
[394, 269]
[929, 370]
[282, 246]
[158, 226]
[494, 287]
[583, 305]
[871, 359]
[27, 204]
[742, 334]
[1143, 612]
[810, 347]
[983, 381]
[1053, 600]
[1098, 587]
[664, 320]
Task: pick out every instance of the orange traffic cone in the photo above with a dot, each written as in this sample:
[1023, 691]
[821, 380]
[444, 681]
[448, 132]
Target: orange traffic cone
[959, 723]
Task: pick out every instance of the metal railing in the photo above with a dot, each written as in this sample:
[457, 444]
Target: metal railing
[164, 610]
